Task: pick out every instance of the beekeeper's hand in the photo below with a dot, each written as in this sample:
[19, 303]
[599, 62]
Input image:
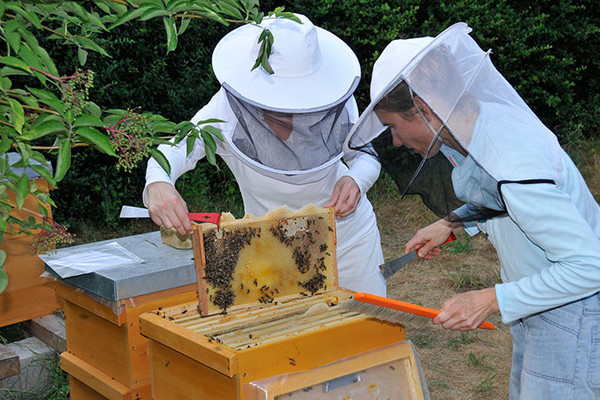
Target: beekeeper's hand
[345, 197]
[466, 311]
[167, 207]
[429, 239]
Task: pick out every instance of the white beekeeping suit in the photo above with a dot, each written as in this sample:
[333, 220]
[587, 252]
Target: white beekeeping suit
[284, 134]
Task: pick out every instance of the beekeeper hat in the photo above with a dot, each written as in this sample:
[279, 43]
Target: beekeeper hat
[312, 67]
[392, 61]
[387, 73]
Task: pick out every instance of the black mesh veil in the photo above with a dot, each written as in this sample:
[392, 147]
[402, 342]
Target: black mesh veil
[291, 145]
[433, 183]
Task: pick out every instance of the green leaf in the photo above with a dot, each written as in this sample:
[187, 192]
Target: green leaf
[93, 109]
[153, 12]
[5, 83]
[214, 131]
[63, 161]
[109, 6]
[22, 191]
[5, 143]
[25, 150]
[81, 56]
[185, 22]
[161, 160]
[163, 126]
[128, 16]
[231, 8]
[171, 33]
[93, 136]
[31, 58]
[43, 118]
[209, 121]
[79, 11]
[30, 16]
[15, 63]
[210, 147]
[88, 120]
[55, 105]
[7, 71]
[18, 114]
[48, 63]
[158, 141]
[42, 94]
[44, 173]
[176, 5]
[189, 144]
[3, 276]
[45, 128]
[14, 39]
[91, 45]
[208, 12]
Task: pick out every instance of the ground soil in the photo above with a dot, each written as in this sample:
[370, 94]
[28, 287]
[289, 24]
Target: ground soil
[472, 365]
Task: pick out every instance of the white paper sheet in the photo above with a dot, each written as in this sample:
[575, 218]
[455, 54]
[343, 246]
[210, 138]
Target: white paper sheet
[106, 256]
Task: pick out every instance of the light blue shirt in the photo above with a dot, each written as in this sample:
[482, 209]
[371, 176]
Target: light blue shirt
[548, 243]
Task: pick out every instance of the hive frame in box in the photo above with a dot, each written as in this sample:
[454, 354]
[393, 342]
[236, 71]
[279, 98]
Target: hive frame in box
[388, 372]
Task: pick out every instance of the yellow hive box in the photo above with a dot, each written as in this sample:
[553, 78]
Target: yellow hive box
[267, 306]
[28, 295]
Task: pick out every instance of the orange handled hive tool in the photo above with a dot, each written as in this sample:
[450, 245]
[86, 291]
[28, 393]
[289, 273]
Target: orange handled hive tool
[205, 217]
[388, 310]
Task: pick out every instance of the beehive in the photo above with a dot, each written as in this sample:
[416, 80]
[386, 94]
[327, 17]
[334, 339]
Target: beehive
[28, 295]
[267, 306]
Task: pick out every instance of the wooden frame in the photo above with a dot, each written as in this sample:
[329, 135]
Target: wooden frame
[398, 376]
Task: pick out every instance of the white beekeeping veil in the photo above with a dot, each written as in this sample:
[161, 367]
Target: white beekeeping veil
[291, 125]
[504, 139]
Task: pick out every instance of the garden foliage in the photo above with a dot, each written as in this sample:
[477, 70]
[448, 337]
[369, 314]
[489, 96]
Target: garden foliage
[549, 50]
[46, 113]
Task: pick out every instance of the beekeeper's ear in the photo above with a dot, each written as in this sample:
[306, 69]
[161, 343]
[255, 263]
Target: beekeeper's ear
[423, 108]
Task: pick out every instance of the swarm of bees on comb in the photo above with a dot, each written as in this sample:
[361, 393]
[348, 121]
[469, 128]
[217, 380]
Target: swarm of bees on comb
[257, 259]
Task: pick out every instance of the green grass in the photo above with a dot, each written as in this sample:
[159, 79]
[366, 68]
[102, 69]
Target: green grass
[56, 387]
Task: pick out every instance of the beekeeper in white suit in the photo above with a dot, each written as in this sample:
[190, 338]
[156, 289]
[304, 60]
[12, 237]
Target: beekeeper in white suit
[284, 135]
[519, 187]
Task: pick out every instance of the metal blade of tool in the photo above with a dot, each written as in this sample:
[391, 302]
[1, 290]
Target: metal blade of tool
[391, 267]
[139, 212]
[134, 212]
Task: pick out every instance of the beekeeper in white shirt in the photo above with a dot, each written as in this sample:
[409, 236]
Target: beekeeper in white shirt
[284, 135]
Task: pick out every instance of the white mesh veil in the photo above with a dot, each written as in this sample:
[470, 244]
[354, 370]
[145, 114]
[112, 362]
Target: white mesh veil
[504, 139]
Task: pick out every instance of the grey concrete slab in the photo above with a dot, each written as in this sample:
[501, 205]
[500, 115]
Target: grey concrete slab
[36, 363]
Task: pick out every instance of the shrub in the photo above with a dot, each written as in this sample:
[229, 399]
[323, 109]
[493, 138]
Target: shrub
[549, 50]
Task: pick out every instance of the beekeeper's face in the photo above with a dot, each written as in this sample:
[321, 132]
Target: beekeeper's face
[413, 132]
[280, 123]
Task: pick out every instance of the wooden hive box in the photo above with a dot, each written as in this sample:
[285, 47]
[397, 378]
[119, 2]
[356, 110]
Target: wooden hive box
[106, 356]
[28, 295]
[268, 306]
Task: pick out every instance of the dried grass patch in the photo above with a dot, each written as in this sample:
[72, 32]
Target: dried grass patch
[457, 365]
